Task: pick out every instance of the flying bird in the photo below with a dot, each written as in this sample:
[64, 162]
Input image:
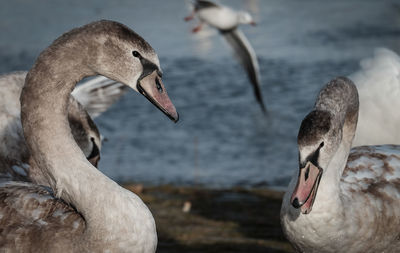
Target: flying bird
[227, 20]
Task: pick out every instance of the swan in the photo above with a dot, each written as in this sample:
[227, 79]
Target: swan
[83, 210]
[97, 95]
[227, 21]
[341, 199]
[378, 83]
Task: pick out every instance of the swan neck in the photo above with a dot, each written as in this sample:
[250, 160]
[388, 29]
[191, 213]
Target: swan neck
[44, 112]
[329, 190]
[340, 99]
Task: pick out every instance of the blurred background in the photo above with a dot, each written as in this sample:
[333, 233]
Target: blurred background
[208, 178]
[222, 139]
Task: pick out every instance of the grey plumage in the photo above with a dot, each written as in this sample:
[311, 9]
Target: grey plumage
[100, 215]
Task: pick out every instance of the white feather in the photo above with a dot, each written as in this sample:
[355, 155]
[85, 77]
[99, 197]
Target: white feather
[98, 94]
[378, 84]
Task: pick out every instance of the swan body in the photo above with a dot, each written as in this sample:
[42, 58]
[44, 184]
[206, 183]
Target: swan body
[342, 199]
[227, 21]
[378, 83]
[82, 210]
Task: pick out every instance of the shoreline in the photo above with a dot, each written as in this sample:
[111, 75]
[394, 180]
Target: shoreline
[197, 219]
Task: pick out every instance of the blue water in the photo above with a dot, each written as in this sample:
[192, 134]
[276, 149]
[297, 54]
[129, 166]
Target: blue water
[222, 139]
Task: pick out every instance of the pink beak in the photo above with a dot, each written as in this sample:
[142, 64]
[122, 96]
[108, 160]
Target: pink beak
[152, 87]
[306, 189]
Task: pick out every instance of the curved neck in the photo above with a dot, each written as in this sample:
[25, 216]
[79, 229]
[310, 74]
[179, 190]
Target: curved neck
[44, 110]
[340, 98]
[111, 213]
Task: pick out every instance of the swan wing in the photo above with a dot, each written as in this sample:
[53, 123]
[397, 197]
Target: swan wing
[13, 150]
[374, 170]
[98, 94]
[29, 213]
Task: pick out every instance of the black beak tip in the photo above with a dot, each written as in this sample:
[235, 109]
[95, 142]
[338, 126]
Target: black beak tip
[177, 118]
[295, 203]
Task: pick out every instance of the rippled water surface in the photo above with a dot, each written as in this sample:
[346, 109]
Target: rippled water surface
[222, 139]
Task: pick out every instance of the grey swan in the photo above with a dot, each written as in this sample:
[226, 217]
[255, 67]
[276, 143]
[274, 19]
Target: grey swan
[82, 210]
[97, 95]
[341, 199]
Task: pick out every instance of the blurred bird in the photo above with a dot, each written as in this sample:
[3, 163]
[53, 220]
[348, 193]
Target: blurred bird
[227, 21]
[378, 84]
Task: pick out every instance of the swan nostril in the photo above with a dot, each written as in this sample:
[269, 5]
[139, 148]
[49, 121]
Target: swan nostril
[307, 173]
[295, 203]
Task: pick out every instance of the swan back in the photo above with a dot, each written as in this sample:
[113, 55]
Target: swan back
[378, 83]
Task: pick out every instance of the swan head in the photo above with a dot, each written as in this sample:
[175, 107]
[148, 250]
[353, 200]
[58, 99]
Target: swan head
[122, 55]
[245, 18]
[317, 141]
[84, 131]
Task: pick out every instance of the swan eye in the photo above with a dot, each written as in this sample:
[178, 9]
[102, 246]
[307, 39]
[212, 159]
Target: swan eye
[136, 54]
[158, 85]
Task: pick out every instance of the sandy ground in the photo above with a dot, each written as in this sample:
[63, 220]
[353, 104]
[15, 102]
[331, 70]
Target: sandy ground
[203, 220]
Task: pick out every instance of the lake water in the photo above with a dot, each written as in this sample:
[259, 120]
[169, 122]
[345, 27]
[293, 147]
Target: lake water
[222, 138]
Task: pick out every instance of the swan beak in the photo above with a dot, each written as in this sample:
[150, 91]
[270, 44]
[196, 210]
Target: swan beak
[152, 87]
[253, 23]
[95, 160]
[306, 189]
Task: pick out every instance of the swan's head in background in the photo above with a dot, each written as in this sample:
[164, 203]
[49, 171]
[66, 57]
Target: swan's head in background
[245, 18]
[317, 141]
[85, 131]
[122, 55]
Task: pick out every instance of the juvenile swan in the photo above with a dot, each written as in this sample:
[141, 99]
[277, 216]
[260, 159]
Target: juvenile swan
[88, 211]
[341, 200]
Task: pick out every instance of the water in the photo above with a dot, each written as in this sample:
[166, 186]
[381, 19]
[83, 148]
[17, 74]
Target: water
[222, 139]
